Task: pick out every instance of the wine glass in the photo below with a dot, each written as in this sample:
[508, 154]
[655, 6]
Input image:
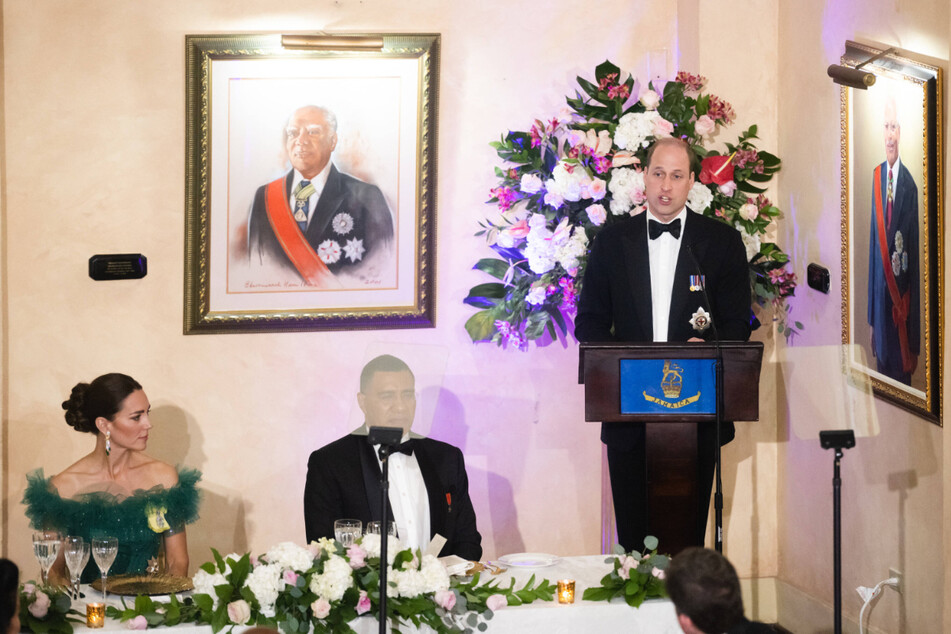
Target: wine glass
[376, 528]
[46, 548]
[76, 551]
[347, 531]
[104, 550]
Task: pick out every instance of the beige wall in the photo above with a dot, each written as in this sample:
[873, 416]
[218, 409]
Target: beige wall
[894, 480]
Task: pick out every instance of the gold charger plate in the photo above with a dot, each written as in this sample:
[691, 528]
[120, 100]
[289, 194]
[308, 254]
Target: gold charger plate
[133, 585]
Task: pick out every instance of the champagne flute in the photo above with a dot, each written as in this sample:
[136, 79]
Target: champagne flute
[104, 550]
[46, 548]
[76, 551]
[347, 531]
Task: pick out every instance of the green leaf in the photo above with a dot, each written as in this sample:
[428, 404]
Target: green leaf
[650, 542]
[481, 326]
[493, 266]
[604, 69]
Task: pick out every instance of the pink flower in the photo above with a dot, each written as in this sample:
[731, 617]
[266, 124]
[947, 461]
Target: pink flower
[597, 214]
[663, 127]
[624, 158]
[321, 608]
[705, 125]
[357, 556]
[290, 577]
[239, 612]
[446, 599]
[624, 572]
[599, 143]
[496, 602]
[691, 81]
[596, 189]
[29, 588]
[314, 548]
[720, 110]
[520, 229]
[749, 211]
[575, 137]
[138, 623]
[657, 572]
[650, 100]
[727, 188]
[363, 603]
[40, 605]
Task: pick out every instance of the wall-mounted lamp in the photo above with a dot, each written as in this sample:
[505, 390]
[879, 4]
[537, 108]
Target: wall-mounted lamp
[855, 77]
[333, 42]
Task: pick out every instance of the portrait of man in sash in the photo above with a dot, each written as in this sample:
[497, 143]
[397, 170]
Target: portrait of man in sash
[894, 306]
[316, 224]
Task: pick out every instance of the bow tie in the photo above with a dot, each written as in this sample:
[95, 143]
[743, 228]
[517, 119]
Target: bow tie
[654, 228]
[406, 447]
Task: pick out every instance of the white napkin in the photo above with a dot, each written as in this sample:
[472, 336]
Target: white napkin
[456, 565]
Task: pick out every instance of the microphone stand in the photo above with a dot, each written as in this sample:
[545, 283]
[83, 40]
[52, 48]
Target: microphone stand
[388, 438]
[718, 386]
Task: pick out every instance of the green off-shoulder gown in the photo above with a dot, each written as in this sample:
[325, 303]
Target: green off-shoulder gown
[102, 514]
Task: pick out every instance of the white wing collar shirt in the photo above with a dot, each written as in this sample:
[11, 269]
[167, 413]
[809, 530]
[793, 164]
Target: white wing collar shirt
[663, 251]
[408, 498]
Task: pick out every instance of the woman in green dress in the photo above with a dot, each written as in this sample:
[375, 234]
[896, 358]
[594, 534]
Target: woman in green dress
[117, 490]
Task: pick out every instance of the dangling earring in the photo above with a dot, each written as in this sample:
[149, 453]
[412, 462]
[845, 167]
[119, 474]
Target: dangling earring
[108, 444]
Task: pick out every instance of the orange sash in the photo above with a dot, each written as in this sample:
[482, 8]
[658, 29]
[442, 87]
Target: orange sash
[900, 303]
[292, 240]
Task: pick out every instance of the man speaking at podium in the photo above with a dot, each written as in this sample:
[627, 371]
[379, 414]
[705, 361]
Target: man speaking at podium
[645, 281]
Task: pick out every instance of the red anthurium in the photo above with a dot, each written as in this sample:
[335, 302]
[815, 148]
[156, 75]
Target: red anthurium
[716, 169]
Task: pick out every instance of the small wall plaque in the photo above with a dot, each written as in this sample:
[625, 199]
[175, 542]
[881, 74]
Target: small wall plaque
[118, 266]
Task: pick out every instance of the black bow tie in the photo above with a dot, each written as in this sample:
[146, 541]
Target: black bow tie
[654, 228]
[406, 447]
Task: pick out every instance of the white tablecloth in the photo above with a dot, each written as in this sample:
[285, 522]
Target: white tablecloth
[653, 617]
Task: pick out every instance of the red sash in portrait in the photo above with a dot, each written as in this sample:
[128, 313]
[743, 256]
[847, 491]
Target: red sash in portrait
[291, 239]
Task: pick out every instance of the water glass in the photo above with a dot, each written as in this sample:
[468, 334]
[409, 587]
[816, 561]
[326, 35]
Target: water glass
[374, 528]
[46, 546]
[347, 531]
[104, 551]
[76, 551]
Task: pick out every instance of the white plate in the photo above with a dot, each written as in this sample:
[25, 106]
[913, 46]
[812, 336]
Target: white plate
[529, 560]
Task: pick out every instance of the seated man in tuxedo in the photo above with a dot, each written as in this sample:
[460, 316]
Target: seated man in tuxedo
[429, 489]
[705, 591]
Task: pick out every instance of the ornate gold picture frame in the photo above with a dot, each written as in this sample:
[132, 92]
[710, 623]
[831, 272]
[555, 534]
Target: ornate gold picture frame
[352, 247]
[892, 234]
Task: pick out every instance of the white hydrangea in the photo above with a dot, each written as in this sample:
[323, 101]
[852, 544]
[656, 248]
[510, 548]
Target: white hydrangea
[290, 555]
[539, 249]
[536, 296]
[569, 181]
[430, 577]
[635, 129]
[750, 241]
[530, 183]
[336, 578]
[371, 544]
[205, 584]
[265, 582]
[699, 197]
[570, 250]
[627, 189]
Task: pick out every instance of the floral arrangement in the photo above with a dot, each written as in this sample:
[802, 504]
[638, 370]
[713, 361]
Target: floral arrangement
[325, 586]
[47, 610]
[636, 576]
[569, 176]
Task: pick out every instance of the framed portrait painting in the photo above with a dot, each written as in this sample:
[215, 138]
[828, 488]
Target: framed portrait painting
[310, 182]
[892, 235]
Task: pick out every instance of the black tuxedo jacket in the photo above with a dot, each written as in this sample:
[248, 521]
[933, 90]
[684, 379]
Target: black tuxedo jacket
[615, 303]
[343, 482]
[363, 202]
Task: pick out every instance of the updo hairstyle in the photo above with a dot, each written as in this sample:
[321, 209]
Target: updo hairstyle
[103, 397]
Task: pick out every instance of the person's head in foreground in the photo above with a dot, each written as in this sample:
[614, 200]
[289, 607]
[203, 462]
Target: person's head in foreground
[9, 597]
[705, 591]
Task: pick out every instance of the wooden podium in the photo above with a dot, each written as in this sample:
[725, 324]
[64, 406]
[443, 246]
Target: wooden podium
[671, 387]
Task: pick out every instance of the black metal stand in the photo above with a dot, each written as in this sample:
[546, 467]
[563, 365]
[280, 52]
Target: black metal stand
[384, 533]
[837, 440]
[718, 495]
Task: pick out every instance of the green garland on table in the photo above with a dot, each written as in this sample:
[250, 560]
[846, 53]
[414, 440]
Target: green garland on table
[47, 609]
[325, 586]
[636, 576]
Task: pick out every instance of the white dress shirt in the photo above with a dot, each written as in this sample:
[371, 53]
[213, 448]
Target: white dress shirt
[663, 252]
[408, 498]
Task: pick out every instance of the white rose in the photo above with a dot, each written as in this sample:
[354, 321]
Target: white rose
[749, 211]
[650, 100]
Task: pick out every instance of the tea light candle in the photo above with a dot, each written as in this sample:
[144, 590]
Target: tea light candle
[566, 591]
[95, 614]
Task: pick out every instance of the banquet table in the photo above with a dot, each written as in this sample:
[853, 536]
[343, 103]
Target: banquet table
[656, 616]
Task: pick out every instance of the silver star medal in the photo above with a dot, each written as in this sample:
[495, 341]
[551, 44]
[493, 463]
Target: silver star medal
[700, 320]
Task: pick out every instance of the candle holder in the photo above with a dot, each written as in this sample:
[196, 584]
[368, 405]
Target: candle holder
[566, 591]
[95, 615]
